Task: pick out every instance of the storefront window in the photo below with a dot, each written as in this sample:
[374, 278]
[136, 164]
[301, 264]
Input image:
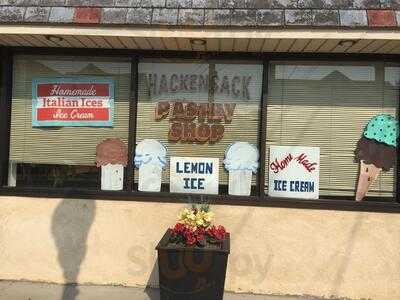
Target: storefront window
[62, 109]
[328, 106]
[331, 132]
[196, 109]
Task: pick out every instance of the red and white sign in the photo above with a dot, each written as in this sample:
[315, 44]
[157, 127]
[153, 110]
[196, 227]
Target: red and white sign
[294, 172]
[66, 102]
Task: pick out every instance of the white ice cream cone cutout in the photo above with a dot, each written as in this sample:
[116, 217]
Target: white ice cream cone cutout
[368, 175]
[112, 177]
[150, 159]
[241, 161]
[112, 157]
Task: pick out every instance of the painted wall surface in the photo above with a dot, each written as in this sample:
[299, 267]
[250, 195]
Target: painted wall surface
[273, 250]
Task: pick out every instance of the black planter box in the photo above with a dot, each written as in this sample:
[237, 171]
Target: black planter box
[191, 273]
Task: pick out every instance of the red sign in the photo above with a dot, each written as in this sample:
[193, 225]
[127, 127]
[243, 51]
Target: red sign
[71, 114]
[73, 89]
[72, 102]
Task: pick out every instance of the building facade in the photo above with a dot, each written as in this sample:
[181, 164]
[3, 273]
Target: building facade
[282, 114]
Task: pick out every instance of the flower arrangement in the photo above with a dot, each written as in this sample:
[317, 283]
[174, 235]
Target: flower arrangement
[194, 227]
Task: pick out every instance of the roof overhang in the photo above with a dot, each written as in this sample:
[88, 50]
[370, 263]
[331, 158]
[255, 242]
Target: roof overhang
[216, 39]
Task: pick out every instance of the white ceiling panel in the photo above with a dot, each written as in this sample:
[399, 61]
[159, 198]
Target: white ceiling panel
[236, 43]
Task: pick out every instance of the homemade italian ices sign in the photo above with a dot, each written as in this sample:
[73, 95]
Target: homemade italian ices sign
[294, 172]
[87, 101]
[195, 175]
[150, 159]
[241, 161]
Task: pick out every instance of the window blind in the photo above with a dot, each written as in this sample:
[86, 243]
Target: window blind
[327, 105]
[245, 123]
[64, 145]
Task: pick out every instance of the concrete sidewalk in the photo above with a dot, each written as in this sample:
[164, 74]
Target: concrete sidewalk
[16, 290]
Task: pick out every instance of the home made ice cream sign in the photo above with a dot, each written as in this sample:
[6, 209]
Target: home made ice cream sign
[85, 101]
[294, 172]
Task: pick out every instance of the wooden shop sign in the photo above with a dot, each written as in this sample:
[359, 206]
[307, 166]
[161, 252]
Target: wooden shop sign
[195, 122]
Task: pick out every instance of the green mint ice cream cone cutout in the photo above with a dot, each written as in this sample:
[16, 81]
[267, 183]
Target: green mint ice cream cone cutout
[384, 129]
[376, 150]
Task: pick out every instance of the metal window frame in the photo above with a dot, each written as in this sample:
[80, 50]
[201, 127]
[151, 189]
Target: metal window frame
[129, 174]
[129, 194]
[6, 78]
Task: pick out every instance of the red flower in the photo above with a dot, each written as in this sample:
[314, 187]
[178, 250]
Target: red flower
[183, 234]
[217, 233]
[189, 237]
[200, 230]
[179, 228]
[199, 234]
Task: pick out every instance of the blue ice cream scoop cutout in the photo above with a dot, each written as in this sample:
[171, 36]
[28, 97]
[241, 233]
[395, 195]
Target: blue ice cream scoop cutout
[241, 156]
[150, 151]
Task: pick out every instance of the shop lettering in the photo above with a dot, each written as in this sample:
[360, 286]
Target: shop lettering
[60, 102]
[73, 115]
[57, 90]
[189, 111]
[194, 183]
[201, 168]
[302, 159]
[279, 165]
[236, 86]
[182, 117]
[294, 186]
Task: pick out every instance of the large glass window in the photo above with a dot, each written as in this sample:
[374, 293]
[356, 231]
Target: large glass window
[328, 105]
[335, 122]
[199, 108]
[61, 88]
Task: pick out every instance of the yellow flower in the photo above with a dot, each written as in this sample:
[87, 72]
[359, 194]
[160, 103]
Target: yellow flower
[199, 221]
[191, 216]
[194, 218]
[188, 217]
[208, 216]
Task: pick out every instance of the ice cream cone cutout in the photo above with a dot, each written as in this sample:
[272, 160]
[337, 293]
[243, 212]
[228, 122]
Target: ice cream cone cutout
[112, 157]
[150, 159]
[368, 175]
[241, 161]
[376, 151]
